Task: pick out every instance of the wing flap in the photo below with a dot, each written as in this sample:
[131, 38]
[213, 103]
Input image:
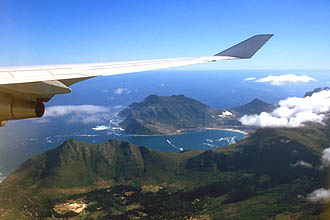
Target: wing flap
[6, 76]
[31, 74]
[35, 90]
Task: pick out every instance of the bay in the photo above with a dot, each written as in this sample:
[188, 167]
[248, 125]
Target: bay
[205, 139]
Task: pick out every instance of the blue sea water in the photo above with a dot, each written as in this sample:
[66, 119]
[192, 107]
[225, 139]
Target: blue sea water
[205, 139]
[220, 89]
[40, 138]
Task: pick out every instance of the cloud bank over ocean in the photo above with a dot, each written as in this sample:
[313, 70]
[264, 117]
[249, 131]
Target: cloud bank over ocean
[282, 79]
[325, 159]
[76, 113]
[321, 195]
[293, 112]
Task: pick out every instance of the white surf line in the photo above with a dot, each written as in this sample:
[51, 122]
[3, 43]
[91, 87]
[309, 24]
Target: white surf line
[209, 145]
[2, 177]
[230, 140]
[112, 123]
[170, 143]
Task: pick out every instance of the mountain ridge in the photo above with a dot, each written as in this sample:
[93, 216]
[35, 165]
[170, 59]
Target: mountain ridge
[256, 106]
[236, 174]
[174, 114]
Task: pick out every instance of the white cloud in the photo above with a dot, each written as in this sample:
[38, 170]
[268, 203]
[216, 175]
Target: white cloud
[119, 107]
[325, 159]
[77, 113]
[302, 163]
[293, 112]
[87, 119]
[250, 79]
[283, 79]
[61, 110]
[120, 91]
[101, 128]
[321, 195]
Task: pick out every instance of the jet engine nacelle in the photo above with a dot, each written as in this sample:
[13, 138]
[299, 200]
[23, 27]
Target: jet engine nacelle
[11, 109]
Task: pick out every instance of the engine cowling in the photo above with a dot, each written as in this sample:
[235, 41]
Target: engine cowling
[11, 109]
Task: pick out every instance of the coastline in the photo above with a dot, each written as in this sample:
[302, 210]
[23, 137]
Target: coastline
[229, 129]
[182, 131]
[2, 178]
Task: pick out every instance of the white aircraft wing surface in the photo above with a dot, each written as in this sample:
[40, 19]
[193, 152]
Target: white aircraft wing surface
[24, 88]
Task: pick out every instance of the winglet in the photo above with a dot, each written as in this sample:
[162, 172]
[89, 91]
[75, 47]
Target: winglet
[246, 49]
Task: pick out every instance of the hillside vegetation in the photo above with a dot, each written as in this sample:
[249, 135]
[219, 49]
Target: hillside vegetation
[257, 178]
[172, 114]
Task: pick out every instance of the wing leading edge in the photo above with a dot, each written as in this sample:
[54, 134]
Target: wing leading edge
[37, 84]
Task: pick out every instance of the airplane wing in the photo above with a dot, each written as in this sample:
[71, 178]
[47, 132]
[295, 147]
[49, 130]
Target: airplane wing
[24, 88]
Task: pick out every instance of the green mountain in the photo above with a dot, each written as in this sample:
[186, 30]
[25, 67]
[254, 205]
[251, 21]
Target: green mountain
[78, 164]
[166, 114]
[256, 106]
[257, 178]
[172, 114]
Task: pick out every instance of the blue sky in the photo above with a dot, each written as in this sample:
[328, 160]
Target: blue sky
[72, 31]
